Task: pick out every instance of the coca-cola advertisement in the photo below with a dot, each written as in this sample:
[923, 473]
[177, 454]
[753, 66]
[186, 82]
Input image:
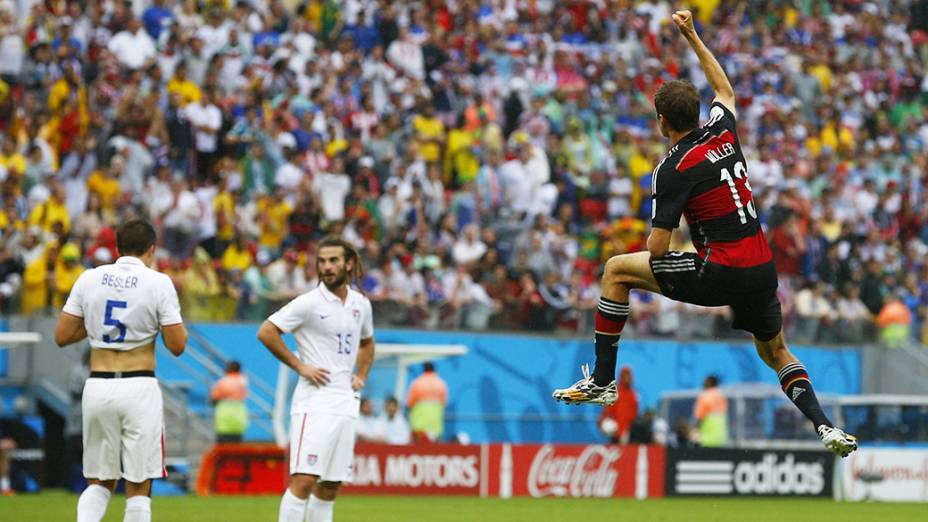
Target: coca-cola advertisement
[441, 469]
[595, 470]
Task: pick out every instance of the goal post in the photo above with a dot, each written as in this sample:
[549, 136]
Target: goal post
[389, 372]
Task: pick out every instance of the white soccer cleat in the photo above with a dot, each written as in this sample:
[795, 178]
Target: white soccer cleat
[837, 441]
[586, 391]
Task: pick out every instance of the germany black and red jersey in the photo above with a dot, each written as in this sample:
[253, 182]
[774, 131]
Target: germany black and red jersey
[704, 178]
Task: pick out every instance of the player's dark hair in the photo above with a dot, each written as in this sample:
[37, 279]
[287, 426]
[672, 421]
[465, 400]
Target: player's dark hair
[351, 254]
[712, 380]
[135, 237]
[678, 102]
[233, 367]
[428, 367]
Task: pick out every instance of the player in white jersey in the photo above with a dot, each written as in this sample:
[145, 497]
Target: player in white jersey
[120, 308]
[334, 331]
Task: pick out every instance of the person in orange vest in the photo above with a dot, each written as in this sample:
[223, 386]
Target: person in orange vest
[426, 400]
[894, 322]
[616, 419]
[711, 411]
[229, 394]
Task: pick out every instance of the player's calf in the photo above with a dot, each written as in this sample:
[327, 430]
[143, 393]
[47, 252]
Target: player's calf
[797, 385]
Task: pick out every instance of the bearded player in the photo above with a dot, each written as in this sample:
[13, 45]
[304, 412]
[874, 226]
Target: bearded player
[333, 327]
[703, 177]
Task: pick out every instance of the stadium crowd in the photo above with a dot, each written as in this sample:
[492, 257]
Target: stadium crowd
[486, 157]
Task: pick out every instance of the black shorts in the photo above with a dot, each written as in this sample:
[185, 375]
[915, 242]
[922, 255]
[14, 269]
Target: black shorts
[750, 292]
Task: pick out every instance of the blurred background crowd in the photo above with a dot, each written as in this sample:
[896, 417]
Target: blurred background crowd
[486, 157]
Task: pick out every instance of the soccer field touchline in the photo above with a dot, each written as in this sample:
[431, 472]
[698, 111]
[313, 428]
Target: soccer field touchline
[57, 506]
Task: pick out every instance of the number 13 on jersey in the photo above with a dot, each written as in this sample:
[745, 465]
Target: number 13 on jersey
[740, 172]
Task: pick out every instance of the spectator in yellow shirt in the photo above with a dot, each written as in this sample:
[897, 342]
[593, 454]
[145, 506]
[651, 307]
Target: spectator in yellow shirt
[10, 158]
[237, 256]
[52, 211]
[201, 288]
[184, 86]
[67, 270]
[36, 277]
[461, 159]
[105, 183]
[224, 206]
[273, 212]
[430, 133]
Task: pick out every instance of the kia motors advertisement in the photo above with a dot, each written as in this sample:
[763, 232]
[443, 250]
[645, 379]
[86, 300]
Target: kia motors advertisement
[438, 469]
[737, 472]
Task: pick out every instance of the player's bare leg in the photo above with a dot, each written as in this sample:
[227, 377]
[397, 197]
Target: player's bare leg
[622, 273]
[321, 504]
[91, 506]
[138, 501]
[798, 388]
[293, 503]
[6, 448]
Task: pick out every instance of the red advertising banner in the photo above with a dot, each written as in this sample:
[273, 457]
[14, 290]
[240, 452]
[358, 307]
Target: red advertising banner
[503, 470]
[438, 469]
[576, 470]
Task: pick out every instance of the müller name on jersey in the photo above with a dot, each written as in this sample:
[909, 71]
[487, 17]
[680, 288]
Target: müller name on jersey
[114, 281]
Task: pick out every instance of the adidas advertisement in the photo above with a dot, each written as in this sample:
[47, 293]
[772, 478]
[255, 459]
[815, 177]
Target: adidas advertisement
[749, 472]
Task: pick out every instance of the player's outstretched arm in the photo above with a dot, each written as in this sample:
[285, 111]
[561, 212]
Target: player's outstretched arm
[724, 93]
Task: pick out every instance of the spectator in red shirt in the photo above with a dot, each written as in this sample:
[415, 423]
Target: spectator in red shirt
[615, 420]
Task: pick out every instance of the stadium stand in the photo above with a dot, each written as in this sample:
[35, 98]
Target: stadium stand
[486, 157]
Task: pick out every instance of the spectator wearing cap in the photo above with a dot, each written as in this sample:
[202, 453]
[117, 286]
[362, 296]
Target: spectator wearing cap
[67, 270]
[201, 288]
[38, 275]
[101, 256]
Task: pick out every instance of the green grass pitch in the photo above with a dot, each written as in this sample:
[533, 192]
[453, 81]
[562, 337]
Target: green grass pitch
[58, 506]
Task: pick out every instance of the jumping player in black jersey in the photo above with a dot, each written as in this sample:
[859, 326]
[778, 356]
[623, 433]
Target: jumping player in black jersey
[703, 178]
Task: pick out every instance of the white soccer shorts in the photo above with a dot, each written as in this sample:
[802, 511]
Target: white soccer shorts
[123, 422]
[322, 444]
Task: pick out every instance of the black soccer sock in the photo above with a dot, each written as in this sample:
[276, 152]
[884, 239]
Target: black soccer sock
[798, 388]
[610, 320]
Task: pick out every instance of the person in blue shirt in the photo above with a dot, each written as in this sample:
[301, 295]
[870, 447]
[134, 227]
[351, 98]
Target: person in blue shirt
[156, 18]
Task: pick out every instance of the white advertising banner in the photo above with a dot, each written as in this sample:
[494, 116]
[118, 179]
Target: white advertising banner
[883, 474]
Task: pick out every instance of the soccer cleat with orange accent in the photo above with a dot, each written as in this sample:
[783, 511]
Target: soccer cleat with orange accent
[585, 391]
[837, 441]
